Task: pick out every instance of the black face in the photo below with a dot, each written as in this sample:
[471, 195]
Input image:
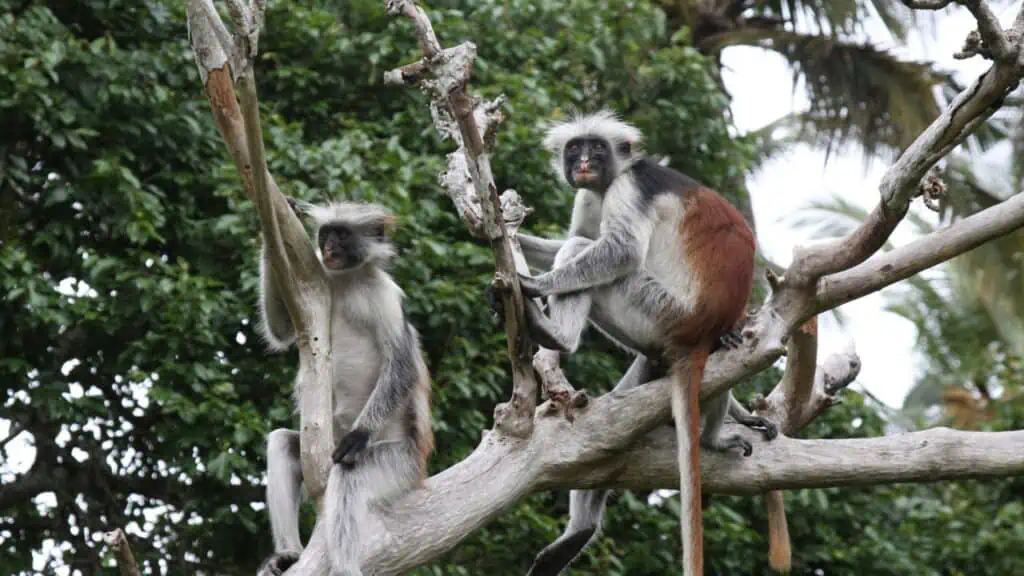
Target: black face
[590, 163]
[345, 247]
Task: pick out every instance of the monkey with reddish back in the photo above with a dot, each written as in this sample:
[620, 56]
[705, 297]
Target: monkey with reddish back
[662, 265]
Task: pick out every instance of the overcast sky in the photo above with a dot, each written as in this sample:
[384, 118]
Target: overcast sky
[762, 90]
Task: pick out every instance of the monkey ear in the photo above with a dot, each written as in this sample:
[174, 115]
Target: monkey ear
[300, 207]
[388, 224]
[625, 149]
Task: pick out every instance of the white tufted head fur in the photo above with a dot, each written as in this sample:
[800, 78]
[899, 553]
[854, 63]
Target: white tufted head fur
[356, 215]
[604, 124]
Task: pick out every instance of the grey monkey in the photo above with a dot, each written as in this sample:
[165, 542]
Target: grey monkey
[381, 386]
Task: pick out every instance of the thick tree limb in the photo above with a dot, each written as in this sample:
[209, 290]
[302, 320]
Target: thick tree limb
[294, 267]
[969, 109]
[429, 522]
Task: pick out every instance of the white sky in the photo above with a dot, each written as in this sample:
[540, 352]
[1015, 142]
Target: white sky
[762, 90]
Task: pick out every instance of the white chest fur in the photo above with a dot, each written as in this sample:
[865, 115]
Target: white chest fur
[365, 309]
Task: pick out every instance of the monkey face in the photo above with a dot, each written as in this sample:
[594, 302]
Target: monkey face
[344, 247]
[589, 163]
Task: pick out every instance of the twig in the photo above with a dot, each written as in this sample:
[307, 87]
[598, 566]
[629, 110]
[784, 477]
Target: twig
[126, 561]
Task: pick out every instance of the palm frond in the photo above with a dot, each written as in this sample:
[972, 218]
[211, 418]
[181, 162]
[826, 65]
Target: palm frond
[771, 140]
[839, 17]
[856, 91]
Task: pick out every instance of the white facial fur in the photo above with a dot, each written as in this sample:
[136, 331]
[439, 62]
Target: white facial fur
[604, 124]
[355, 215]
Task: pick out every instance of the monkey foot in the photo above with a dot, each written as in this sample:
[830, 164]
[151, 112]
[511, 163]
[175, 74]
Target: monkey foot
[278, 563]
[768, 428]
[724, 444]
[551, 560]
[729, 341]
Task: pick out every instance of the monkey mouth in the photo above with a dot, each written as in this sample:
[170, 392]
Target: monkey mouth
[584, 176]
[332, 262]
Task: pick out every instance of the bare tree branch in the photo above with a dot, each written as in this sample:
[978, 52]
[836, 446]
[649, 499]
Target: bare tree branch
[431, 521]
[294, 267]
[903, 262]
[968, 110]
[996, 44]
[126, 560]
[451, 70]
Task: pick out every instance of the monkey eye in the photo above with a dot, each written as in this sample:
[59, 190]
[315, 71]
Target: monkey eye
[379, 233]
[573, 148]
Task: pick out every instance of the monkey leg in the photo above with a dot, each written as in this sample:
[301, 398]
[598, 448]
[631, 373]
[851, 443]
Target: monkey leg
[385, 470]
[284, 490]
[586, 511]
[568, 312]
[586, 507]
[740, 414]
[714, 410]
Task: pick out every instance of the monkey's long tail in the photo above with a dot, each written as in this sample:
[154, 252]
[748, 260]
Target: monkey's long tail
[687, 375]
[779, 552]
[343, 503]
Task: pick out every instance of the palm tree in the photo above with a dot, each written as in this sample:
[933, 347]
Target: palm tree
[857, 92]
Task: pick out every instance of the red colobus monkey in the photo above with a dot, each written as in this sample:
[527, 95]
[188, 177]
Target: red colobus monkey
[662, 265]
[381, 387]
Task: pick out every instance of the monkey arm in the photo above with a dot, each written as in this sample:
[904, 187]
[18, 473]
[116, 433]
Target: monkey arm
[275, 324]
[398, 377]
[609, 258]
[539, 252]
[585, 222]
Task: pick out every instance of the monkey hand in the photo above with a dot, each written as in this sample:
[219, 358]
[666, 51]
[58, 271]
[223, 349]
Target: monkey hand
[351, 445]
[494, 301]
[531, 287]
[278, 563]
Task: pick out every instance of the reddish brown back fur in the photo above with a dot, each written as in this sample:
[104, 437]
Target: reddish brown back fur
[424, 432]
[720, 249]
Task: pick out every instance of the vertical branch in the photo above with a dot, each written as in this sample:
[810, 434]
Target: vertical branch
[294, 268]
[798, 380]
[125, 559]
[451, 69]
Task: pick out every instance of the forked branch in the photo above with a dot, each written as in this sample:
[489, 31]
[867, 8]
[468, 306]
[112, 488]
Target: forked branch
[443, 74]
